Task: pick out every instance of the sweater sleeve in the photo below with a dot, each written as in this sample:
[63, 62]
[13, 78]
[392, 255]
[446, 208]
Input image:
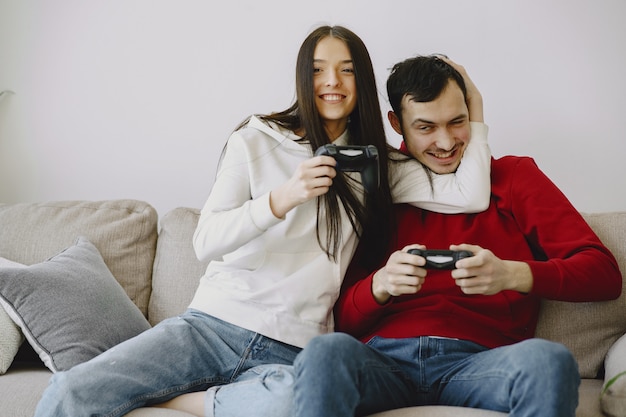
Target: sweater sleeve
[571, 263]
[230, 217]
[466, 191]
[356, 309]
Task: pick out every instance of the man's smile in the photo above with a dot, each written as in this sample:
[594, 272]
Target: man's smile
[443, 155]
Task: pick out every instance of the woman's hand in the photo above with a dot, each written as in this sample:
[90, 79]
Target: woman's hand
[473, 97]
[311, 179]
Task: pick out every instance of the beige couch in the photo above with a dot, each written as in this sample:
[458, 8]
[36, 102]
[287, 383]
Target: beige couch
[155, 264]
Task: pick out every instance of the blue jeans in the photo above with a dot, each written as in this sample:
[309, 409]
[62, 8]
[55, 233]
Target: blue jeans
[336, 375]
[192, 352]
[263, 391]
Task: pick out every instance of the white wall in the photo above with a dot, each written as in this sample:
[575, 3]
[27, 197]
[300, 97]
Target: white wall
[135, 98]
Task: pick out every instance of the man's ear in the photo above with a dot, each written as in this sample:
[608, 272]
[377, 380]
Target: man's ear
[395, 122]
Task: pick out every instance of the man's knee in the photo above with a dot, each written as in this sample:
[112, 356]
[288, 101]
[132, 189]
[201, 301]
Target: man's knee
[329, 347]
[563, 361]
[549, 359]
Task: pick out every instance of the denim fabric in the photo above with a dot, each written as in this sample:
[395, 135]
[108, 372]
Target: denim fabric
[188, 353]
[336, 375]
[264, 391]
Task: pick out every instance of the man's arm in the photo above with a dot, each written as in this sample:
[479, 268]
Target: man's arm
[365, 293]
[570, 262]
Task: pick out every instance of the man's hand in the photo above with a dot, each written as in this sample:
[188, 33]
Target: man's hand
[473, 97]
[486, 274]
[312, 178]
[403, 274]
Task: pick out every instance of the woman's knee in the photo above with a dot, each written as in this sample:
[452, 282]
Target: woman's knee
[65, 385]
[61, 395]
[268, 388]
[278, 378]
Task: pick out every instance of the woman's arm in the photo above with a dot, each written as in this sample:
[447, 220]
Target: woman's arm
[467, 190]
[237, 211]
[230, 217]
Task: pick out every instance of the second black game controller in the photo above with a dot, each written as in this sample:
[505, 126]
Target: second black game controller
[441, 258]
[356, 158]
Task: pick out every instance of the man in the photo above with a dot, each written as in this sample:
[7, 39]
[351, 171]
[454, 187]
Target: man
[418, 336]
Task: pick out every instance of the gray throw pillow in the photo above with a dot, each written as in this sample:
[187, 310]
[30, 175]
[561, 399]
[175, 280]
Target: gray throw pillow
[70, 307]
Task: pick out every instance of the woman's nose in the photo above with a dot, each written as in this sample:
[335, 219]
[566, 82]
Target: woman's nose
[332, 80]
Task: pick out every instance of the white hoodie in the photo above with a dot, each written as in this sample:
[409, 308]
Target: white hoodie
[269, 275]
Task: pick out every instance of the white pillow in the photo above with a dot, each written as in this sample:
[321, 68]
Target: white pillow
[11, 337]
[613, 398]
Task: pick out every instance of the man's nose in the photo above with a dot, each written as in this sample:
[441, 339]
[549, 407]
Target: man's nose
[445, 140]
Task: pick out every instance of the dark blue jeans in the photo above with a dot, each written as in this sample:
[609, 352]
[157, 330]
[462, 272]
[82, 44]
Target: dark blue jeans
[336, 375]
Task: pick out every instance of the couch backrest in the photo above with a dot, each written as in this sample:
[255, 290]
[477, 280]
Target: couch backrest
[124, 231]
[177, 270]
[589, 329]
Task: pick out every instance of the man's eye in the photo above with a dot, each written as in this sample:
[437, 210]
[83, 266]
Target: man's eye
[424, 128]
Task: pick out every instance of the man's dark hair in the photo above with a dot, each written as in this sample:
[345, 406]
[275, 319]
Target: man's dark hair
[422, 78]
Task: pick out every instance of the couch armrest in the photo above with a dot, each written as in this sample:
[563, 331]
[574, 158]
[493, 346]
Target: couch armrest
[613, 399]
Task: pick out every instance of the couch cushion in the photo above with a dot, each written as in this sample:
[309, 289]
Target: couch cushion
[70, 308]
[589, 329]
[21, 389]
[124, 231]
[177, 270]
[439, 411]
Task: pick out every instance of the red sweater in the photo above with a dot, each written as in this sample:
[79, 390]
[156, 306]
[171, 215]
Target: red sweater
[528, 219]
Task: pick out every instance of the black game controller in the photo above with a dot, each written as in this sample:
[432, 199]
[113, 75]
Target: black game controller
[441, 258]
[355, 158]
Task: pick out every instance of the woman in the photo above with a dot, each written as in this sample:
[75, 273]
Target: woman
[280, 227]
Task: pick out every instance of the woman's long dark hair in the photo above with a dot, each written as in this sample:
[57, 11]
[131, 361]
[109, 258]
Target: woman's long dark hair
[372, 220]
